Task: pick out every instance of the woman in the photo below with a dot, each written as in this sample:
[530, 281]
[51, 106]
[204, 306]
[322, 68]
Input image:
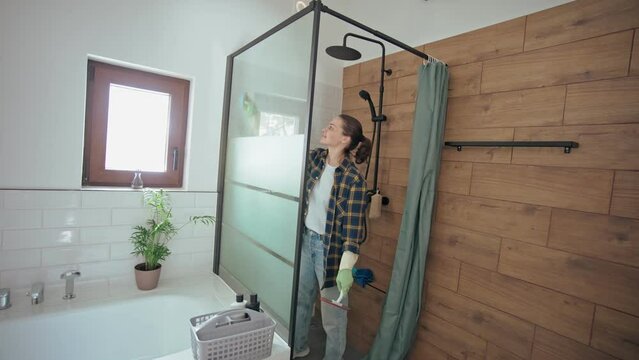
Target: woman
[334, 219]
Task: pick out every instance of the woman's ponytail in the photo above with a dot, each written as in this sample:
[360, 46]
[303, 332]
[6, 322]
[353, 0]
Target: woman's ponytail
[363, 150]
[360, 143]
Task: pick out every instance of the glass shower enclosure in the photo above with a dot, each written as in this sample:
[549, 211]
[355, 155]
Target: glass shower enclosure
[267, 118]
[268, 108]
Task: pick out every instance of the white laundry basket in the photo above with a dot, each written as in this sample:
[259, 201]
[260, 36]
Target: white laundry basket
[238, 334]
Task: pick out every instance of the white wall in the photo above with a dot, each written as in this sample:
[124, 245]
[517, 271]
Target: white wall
[44, 233]
[43, 52]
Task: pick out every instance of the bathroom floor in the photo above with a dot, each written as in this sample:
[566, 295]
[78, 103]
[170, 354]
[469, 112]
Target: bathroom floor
[317, 338]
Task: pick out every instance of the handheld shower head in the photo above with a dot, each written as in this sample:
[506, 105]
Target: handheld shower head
[367, 96]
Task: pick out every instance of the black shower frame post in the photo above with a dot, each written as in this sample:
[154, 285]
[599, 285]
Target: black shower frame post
[300, 212]
[222, 164]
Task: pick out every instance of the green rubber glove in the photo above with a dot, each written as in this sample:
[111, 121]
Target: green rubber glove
[344, 280]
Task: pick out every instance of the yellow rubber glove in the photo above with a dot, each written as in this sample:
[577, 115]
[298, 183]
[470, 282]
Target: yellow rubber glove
[344, 280]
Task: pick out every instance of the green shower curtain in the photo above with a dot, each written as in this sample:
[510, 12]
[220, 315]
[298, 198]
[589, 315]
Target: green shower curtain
[400, 314]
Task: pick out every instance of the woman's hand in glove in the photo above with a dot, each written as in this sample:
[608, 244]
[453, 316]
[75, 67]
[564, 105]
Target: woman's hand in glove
[344, 280]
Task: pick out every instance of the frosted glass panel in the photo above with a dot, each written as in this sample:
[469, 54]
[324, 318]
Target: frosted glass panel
[262, 217]
[273, 163]
[249, 264]
[137, 130]
[268, 117]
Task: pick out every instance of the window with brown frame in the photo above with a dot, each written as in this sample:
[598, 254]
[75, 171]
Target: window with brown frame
[135, 122]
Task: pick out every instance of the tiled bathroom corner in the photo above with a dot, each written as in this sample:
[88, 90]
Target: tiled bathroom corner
[45, 232]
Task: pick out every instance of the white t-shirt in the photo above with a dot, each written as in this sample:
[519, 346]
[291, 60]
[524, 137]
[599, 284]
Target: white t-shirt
[318, 200]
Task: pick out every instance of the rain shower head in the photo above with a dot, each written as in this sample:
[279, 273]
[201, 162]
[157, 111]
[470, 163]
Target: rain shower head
[343, 52]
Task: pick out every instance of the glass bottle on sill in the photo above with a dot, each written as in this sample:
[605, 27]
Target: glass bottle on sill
[137, 180]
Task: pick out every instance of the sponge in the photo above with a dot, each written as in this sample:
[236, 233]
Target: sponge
[363, 276]
[376, 206]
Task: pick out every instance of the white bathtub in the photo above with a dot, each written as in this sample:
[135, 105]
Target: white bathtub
[139, 325]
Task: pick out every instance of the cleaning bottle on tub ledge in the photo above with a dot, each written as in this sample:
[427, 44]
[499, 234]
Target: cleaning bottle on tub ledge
[253, 303]
[239, 303]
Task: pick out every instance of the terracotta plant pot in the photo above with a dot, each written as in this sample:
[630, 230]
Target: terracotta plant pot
[147, 279]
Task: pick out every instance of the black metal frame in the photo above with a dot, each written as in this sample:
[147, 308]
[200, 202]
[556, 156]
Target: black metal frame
[300, 211]
[567, 145]
[374, 32]
[317, 8]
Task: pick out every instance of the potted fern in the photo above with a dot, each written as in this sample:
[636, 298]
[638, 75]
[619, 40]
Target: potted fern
[150, 240]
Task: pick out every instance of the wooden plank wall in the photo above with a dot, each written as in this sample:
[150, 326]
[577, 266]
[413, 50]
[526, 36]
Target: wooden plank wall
[534, 253]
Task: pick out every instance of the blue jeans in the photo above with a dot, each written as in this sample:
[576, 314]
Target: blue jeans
[312, 267]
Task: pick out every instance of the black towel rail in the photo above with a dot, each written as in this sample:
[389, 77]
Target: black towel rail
[567, 145]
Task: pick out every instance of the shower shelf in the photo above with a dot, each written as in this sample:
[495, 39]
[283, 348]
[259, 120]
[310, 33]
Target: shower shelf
[567, 145]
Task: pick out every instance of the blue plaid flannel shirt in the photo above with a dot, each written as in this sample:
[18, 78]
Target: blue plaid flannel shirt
[346, 216]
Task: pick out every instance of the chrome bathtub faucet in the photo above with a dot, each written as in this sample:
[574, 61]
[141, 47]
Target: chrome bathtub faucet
[69, 276]
[37, 293]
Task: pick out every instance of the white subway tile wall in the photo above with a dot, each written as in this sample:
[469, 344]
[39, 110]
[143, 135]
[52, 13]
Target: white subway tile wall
[129, 216]
[177, 265]
[39, 238]
[200, 260]
[122, 251]
[182, 215]
[21, 219]
[76, 217]
[204, 231]
[183, 200]
[189, 245]
[107, 269]
[206, 200]
[42, 199]
[19, 259]
[45, 232]
[75, 254]
[105, 234]
[111, 199]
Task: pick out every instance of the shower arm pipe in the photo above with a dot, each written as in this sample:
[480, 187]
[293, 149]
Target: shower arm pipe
[380, 35]
[384, 37]
[383, 71]
[379, 117]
